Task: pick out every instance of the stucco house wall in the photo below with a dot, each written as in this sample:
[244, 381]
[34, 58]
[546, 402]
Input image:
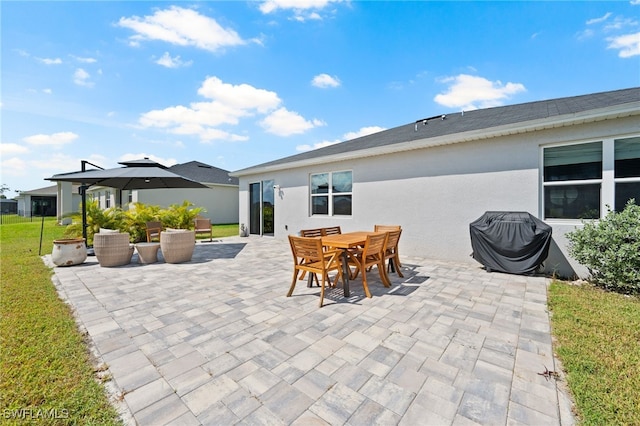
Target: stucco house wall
[220, 202]
[434, 192]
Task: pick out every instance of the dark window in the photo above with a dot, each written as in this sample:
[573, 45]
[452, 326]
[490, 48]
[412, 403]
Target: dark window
[573, 162]
[572, 201]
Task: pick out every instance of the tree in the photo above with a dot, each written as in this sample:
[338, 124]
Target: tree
[4, 188]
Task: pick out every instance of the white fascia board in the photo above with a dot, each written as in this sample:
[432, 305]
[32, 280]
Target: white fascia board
[591, 116]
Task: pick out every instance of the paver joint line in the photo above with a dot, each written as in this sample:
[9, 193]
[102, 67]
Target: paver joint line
[210, 340]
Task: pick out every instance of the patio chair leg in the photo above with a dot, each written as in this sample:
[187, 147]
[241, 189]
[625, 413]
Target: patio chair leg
[364, 285]
[293, 283]
[322, 290]
[394, 266]
[383, 274]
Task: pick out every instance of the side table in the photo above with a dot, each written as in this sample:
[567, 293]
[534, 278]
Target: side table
[147, 252]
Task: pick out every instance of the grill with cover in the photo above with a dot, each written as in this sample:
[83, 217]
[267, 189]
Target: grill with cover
[512, 242]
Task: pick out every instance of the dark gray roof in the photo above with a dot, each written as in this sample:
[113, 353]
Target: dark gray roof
[48, 190]
[204, 173]
[474, 120]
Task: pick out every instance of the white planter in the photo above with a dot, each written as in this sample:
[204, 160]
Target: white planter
[68, 252]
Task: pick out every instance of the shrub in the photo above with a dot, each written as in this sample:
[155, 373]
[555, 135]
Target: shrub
[137, 217]
[180, 216]
[112, 218]
[134, 220]
[610, 249]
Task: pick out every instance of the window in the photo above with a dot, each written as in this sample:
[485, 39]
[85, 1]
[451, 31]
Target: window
[331, 193]
[572, 179]
[107, 199]
[627, 171]
[580, 180]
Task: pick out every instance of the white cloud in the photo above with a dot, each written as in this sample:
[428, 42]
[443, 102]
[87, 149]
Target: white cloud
[242, 96]
[307, 147]
[172, 62]
[13, 148]
[47, 91]
[49, 61]
[614, 29]
[14, 167]
[620, 23]
[228, 104]
[84, 60]
[303, 10]
[364, 131]
[629, 45]
[283, 122]
[273, 5]
[56, 139]
[471, 92]
[60, 163]
[325, 80]
[598, 20]
[182, 27]
[81, 78]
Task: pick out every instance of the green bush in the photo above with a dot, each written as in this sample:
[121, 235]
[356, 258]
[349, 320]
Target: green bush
[134, 220]
[610, 249]
[111, 218]
[181, 216]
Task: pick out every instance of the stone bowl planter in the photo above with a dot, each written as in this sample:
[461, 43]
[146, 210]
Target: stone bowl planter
[68, 251]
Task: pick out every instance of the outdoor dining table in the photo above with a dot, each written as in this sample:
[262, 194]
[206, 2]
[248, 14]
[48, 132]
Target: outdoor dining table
[344, 242]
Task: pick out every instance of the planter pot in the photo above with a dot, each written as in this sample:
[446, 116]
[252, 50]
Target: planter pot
[68, 252]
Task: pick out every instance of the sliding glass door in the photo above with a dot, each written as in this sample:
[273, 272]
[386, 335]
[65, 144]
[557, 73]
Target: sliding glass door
[262, 208]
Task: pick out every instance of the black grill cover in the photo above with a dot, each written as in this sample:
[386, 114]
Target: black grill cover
[512, 242]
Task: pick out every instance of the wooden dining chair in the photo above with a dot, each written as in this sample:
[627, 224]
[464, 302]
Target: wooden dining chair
[311, 232]
[371, 255]
[154, 227]
[309, 256]
[391, 252]
[317, 232]
[387, 228]
[332, 230]
[203, 226]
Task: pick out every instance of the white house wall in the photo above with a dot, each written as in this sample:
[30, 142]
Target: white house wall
[220, 202]
[434, 193]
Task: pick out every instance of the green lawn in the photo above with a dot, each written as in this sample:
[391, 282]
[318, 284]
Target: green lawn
[598, 341]
[46, 374]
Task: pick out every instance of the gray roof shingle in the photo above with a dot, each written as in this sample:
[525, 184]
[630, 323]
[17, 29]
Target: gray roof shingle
[204, 173]
[475, 120]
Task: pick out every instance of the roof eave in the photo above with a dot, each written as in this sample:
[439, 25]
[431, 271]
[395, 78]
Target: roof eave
[591, 116]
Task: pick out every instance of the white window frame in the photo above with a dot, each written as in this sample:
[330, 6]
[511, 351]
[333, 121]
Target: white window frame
[620, 180]
[607, 182]
[330, 194]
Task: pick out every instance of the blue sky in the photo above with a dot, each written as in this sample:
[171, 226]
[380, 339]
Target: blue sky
[235, 84]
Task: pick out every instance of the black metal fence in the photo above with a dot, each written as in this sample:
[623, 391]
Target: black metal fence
[11, 218]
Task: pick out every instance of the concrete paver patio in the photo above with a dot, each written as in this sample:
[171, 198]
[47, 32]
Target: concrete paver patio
[215, 341]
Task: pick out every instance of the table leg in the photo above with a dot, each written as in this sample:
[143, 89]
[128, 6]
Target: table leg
[345, 274]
